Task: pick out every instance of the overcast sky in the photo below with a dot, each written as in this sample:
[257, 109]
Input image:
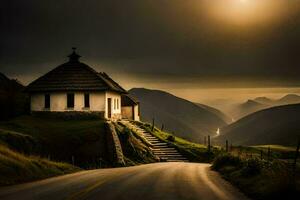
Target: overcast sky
[179, 44]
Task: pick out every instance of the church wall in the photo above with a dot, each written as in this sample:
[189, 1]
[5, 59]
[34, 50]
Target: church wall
[115, 104]
[58, 102]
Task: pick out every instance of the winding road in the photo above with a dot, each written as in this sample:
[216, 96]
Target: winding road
[161, 181]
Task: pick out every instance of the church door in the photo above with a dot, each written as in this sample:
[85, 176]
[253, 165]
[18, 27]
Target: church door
[109, 107]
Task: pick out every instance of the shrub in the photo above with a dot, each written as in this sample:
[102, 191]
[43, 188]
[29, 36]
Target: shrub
[224, 160]
[251, 166]
[171, 138]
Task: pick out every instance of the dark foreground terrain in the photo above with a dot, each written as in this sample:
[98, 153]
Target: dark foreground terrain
[152, 181]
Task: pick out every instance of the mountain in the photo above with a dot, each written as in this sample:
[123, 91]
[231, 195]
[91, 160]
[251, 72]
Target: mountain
[264, 100]
[247, 108]
[261, 103]
[289, 99]
[178, 115]
[13, 101]
[276, 125]
[217, 112]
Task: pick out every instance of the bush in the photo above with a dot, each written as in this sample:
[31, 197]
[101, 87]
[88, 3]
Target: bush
[251, 167]
[171, 138]
[224, 160]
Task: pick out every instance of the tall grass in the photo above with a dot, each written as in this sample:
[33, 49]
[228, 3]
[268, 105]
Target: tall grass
[259, 178]
[83, 139]
[18, 168]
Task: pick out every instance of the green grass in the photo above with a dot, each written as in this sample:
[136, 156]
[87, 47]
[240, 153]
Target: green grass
[135, 149]
[275, 147]
[18, 168]
[19, 142]
[57, 138]
[193, 151]
[259, 179]
[276, 151]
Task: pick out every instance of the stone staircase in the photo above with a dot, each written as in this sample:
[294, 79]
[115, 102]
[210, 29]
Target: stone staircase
[159, 148]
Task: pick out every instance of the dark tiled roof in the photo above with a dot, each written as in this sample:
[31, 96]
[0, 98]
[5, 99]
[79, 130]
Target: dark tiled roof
[128, 101]
[74, 76]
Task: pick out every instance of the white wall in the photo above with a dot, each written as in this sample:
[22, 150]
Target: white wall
[127, 112]
[58, 102]
[136, 113]
[115, 110]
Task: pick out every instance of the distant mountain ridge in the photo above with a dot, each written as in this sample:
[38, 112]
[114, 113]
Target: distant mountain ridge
[276, 125]
[184, 118]
[260, 103]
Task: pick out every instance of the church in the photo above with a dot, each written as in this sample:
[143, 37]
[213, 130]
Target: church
[74, 87]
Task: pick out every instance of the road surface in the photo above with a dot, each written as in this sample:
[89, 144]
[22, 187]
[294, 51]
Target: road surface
[162, 181]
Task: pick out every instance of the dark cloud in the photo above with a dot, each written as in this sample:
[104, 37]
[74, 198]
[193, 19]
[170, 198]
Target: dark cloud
[150, 39]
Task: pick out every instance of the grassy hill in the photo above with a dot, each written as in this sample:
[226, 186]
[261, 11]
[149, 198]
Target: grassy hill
[57, 138]
[179, 116]
[17, 168]
[276, 125]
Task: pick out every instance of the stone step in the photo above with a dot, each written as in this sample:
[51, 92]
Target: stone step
[159, 146]
[164, 149]
[153, 139]
[161, 143]
[148, 134]
[167, 153]
[177, 161]
[172, 157]
[149, 137]
[152, 142]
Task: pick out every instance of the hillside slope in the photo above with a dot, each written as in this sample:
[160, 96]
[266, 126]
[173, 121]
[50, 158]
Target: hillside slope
[217, 112]
[82, 139]
[18, 168]
[276, 125]
[247, 108]
[179, 116]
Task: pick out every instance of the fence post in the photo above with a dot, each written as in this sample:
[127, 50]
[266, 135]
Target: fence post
[269, 153]
[73, 160]
[226, 145]
[208, 143]
[152, 124]
[296, 157]
[162, 127]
